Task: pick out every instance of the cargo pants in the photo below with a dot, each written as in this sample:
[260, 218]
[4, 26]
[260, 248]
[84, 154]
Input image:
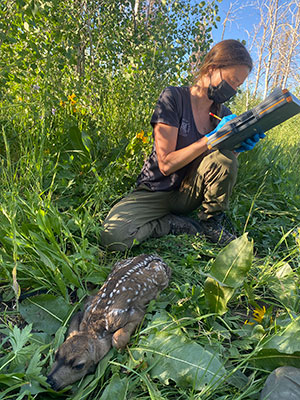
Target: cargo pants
[144, 213]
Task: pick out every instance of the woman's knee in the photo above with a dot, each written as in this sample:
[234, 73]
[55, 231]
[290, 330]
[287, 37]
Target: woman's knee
[226, 162]
[114, 240]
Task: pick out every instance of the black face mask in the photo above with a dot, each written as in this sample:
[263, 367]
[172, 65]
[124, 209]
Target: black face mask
[220, 93]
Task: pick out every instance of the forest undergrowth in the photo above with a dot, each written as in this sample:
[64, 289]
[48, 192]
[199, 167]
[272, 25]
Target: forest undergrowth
[73, 139]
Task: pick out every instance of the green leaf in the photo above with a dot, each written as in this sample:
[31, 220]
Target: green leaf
[217, 296]
[19, 337]
[35, 365]
[116, 389]
[233, 262]
[284, 286]
[46, 312]
[87, 141]
[44, 223]
[228, 273]
[281, 349]
[10, 379]
[271, 359]
[187, 363]
[76, 139]
[90, 382]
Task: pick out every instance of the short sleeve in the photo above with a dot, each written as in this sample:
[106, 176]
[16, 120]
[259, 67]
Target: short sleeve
[168, 108]
[225, 111]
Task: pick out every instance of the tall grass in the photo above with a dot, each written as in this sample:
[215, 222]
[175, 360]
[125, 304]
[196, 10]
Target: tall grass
[62, 170]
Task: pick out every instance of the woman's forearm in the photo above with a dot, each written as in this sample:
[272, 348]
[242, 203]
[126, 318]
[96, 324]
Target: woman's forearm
[177, 159]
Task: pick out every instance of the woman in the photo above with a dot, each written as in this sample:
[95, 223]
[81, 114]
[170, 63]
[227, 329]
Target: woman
[181, 174]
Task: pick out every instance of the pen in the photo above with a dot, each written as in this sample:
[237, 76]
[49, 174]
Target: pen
[214, 115]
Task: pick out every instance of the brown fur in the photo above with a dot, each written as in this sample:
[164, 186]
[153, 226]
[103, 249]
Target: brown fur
[109, 318]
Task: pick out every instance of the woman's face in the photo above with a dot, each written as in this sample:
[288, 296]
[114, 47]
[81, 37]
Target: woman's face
[234, 75]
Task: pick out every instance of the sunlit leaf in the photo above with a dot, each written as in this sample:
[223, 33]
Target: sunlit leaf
[233, 262]
[217, 296]
[284, 286]
[227, 273]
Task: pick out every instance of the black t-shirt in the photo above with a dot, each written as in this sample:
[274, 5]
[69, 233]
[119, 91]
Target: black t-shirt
[173, 108]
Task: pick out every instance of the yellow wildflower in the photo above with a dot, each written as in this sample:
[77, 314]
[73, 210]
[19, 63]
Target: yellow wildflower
[140, 135]
[145, 139]
[71, 98]
[61, 103]
[258, 314]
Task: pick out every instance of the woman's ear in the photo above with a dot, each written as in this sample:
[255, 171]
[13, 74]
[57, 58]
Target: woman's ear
[211, 70]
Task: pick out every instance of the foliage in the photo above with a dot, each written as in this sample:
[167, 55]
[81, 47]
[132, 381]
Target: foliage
[78, 82]
[170, 356]
[281, 349]
[227, 273]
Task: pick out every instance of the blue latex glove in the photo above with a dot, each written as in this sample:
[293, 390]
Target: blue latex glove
[248, 144]
[223, 121]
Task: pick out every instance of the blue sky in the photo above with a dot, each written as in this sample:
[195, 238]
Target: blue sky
[245, 17]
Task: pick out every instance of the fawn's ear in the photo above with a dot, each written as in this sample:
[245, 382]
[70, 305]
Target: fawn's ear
[75, 322]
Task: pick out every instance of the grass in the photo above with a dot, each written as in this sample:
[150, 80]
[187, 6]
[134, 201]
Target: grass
[60, 176]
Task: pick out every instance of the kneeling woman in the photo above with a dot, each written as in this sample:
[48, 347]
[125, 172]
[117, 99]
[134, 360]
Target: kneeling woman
[181, 174]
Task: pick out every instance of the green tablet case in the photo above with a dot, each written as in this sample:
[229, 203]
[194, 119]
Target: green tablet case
[279, 106]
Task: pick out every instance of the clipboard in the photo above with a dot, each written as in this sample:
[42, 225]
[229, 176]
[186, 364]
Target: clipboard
[279, 106]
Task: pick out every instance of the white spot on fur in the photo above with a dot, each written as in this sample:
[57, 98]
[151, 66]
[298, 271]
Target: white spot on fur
[116, 311]
[88, 308]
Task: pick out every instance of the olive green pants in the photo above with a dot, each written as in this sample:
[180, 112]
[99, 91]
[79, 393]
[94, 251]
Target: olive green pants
[143, 213]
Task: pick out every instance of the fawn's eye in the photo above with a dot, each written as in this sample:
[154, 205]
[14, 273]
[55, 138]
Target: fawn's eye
[78, 367]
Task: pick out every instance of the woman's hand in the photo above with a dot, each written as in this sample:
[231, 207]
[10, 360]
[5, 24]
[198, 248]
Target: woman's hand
[248, 144]
[223, 121]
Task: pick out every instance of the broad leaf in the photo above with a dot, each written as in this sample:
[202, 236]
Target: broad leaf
[76, 138]
[284, 286]
[228, 273]
[45, 312]
[217, 296]
[233, 262]
[116, 389]
[271, 359]
[187, 363]
[281, 349]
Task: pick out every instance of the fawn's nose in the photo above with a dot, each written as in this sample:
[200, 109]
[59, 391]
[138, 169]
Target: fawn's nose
[52, 382]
